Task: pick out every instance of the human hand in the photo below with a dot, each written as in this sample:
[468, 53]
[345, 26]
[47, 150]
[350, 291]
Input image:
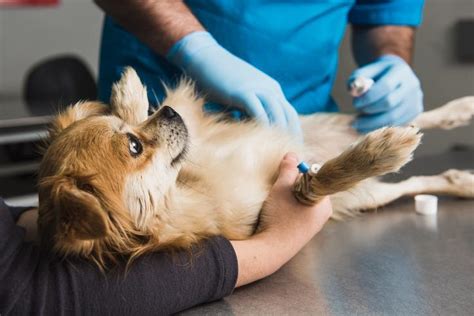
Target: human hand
[285, 227]
[234, 82]
[283, 214]
[28, 220]
[395, 98]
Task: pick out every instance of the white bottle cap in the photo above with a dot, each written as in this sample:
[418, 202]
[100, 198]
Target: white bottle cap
[314, 169]
[360, 85]
[426, 204]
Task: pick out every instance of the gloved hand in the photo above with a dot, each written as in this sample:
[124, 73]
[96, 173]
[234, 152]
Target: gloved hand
[232, 81]
[395, 98]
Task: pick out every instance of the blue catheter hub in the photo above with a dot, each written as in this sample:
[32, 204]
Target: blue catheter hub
[303, 167]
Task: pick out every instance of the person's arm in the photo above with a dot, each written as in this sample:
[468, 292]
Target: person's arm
[27, 220]
[170, 29]
[372, 42]
[285, 227]
[382, 44]
[159, 24]
[156, 282]
[36, 283]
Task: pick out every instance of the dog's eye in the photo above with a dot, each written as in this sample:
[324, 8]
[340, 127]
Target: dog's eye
[134, 145]
[86, 187]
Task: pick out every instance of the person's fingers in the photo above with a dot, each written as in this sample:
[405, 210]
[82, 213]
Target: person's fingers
[326, 205]
[294, 123]
[381, 88]
[213, 107]
[391, 100]
[274, 110]
[367, 123]
[254, 108]
[324, 211]
[288, 170]
[236, 114]
[402, 114]
[372, 70]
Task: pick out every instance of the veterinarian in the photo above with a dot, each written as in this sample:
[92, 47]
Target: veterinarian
[32, 283]
[267, 59]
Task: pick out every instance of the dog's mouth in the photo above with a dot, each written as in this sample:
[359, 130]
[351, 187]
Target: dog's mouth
[181, 155]
[184, 140]
[172, 129]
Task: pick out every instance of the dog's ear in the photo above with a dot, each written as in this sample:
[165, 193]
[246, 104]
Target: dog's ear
[129, 98]
[80, 214]
[75, 113]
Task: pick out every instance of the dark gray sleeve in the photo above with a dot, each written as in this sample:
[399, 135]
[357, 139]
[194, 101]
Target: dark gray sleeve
[157, 283]
[16, 211]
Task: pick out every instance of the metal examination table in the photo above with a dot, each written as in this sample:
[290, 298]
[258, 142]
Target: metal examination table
[391, 262]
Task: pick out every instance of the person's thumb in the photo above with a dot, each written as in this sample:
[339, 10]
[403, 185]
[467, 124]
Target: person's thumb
[372, 70]
[288, 170]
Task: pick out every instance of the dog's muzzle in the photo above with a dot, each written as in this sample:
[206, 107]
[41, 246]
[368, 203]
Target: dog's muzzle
[173, 131]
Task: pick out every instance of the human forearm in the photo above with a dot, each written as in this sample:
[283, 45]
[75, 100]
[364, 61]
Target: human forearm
[263, 254]
[371, 42]
[285, 229]
[159, 24]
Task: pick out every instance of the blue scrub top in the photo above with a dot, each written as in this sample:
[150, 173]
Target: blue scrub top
[295, 41]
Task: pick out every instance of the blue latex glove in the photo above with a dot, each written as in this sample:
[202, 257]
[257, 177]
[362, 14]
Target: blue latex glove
[232, 81]
[395, 98]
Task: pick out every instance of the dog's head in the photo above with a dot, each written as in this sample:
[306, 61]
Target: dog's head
[106, 170]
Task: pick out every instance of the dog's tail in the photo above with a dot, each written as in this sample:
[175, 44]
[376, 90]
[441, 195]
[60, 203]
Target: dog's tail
[380, 152]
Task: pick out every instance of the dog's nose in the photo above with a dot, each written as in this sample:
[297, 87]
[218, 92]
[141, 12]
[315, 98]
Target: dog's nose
[168, 112]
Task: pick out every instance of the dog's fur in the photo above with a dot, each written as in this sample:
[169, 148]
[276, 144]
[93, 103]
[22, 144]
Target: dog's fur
[199, 175]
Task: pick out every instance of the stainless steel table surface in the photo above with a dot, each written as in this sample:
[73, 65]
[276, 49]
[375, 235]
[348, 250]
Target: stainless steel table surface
[392, 262]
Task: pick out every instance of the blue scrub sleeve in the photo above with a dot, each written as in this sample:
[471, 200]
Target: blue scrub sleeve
[387, 12]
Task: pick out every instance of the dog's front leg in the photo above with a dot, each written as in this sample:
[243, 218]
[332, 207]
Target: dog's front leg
[380, 152]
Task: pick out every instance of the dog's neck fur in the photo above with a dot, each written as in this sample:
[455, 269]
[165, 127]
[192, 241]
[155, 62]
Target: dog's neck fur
[187, 212]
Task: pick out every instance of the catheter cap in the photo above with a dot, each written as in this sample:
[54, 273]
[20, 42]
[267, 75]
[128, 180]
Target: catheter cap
[426, 204]
[359, 86]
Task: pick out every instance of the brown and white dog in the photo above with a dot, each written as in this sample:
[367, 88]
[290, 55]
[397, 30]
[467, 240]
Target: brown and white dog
[114, 181]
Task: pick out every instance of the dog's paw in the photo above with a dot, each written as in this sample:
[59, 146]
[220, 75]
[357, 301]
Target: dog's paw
[392, 147]
[377, 153]
[461, 182]
[456, 113]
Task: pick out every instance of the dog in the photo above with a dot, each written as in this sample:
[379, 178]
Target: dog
[115, 182]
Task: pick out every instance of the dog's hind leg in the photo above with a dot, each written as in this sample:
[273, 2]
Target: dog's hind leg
[453, 114]
[371, 194]
[377, 153]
